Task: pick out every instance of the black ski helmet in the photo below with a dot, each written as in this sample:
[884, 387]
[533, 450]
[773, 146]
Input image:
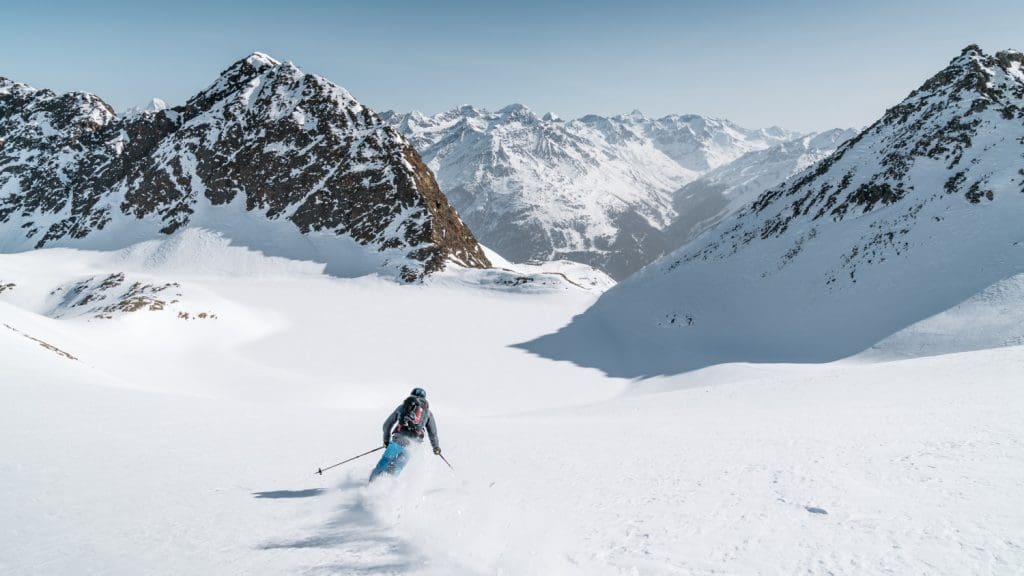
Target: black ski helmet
[418, 392]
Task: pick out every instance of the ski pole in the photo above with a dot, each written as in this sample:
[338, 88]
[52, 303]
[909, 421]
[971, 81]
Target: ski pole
[446, 462]
[321, 471]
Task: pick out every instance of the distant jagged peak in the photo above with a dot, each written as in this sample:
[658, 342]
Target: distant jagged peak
[635, 115]
[154, 106]
[699, 124]
[695, 124]
[468, 110]
[517, 112]
[695, 120]
[514, 108]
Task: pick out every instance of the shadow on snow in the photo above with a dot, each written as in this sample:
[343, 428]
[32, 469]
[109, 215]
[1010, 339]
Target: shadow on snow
[308, 493]
[364, 544]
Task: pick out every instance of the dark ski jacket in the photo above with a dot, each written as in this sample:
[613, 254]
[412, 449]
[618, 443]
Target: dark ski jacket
[393, 419]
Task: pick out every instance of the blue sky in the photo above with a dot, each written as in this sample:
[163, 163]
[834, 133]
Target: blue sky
[804, 65]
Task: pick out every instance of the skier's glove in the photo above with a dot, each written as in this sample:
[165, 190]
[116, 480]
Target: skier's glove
[386, 442]
[437, 450]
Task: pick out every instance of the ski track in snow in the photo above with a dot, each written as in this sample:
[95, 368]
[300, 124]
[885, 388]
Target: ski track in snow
[173, 447]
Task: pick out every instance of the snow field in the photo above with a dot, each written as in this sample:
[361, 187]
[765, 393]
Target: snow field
[176, 446]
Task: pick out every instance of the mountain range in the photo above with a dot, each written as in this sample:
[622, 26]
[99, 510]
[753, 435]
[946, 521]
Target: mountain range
[597, 190]
[291, 164]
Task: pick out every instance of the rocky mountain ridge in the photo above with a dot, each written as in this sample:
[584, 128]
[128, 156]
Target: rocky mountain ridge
[264, 141]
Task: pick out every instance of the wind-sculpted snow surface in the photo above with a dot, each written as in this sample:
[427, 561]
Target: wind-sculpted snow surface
[911, 217]
[264, 142]
[594, 190]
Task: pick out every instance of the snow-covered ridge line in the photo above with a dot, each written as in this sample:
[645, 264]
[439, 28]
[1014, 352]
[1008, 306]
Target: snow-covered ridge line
[294, 148]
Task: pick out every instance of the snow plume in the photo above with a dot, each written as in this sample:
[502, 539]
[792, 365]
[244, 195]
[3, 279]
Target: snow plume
[434, 521]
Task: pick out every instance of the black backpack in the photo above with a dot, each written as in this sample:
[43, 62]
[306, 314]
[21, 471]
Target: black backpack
[413, 418]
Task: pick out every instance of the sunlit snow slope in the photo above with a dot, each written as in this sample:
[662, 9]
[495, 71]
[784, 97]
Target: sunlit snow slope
[138, 440]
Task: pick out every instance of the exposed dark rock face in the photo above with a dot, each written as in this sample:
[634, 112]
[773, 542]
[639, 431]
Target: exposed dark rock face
[54, 160]
[276, 141]
[935, 131]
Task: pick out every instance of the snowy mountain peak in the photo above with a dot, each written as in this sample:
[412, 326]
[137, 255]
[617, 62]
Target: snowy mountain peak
[260, 60]
[636, 116]
[516, 112]
[466, 110]
[153, 106]
[264, 141]
[156, 105]
[974, 70]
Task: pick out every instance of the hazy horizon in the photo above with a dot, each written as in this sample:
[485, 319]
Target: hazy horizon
[801, 65]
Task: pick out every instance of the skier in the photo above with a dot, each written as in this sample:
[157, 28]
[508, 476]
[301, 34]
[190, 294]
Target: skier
[404, 426]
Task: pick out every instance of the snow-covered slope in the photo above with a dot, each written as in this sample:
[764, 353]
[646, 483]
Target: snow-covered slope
[145, 443]
[594, 190]
[990, 319]
[916, 214]
[265, 149]
[726, 189]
